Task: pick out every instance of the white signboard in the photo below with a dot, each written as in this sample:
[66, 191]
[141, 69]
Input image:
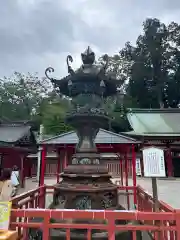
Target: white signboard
[138, 167]
[5, 212]
[153, 160]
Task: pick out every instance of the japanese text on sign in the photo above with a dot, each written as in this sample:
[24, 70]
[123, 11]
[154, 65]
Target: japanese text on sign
[138, 167]
[153, 160]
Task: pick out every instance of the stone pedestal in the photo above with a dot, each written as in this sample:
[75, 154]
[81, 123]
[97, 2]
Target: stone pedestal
[86, 187]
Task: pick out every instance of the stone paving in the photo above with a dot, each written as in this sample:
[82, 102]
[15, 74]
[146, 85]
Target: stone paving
[32, 184]
[168, 190]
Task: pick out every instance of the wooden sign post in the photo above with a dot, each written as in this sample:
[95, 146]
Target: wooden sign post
[154, 166]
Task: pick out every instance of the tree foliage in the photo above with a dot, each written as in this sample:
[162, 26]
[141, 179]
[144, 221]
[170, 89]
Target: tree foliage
[53, 117]
[150, 70]
[27, 97]
[154, 64]
[21, 96]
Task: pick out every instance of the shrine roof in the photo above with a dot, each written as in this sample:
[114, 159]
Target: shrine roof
[154, 122]
[135, 134]
[17, 135]
[103, 137]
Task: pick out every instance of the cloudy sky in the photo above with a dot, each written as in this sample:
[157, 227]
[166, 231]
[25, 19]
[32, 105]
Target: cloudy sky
[35, 34]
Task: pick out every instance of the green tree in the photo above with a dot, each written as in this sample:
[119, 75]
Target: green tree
[21, 96]
[28, 97]
[152, 66]
[173, 84]
[53, 116]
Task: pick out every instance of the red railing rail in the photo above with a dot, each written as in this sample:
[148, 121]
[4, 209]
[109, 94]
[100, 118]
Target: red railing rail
[146, 202]
[127, 192]
[30, 199]
[36, 198]
[135, 216]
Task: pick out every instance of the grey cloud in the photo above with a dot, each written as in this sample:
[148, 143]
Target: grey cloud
[48, 27]
[39, 34]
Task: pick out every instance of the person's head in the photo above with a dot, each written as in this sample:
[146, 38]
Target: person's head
[6, 174]
[15, 168]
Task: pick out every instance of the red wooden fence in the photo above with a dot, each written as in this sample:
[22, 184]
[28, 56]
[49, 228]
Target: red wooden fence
[165, 224]
[159, 229]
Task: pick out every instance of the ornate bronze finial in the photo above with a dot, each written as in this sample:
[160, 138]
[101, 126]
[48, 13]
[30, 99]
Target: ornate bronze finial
[53, 80]
[49, 70]
[88, 57]
[88, 51]
[69, 59]
[106, 60]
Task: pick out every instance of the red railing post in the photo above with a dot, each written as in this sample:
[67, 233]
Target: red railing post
[111, 226]
[126, 177]
[43, 166]
[177, 214]
[42, 198]
[22, 182]
[12, 218]
[134, 173]
[139, 203]
[46, 225]
[65, 160]
[58, 165]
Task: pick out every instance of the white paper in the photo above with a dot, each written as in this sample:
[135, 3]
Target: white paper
[153, 161]
[138, 167]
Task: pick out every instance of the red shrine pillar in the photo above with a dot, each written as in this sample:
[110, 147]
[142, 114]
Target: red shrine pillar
[121, 168]
[134, 173]
[43, 166]
[126, 175]
[117, 150]
[71, 151]
[22, 175]
[121, 165]
[169, 163]
[65, 159]
[58, 165]
[126, 166]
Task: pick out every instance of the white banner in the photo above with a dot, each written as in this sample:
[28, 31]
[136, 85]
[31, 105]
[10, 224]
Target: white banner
[138, 167]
